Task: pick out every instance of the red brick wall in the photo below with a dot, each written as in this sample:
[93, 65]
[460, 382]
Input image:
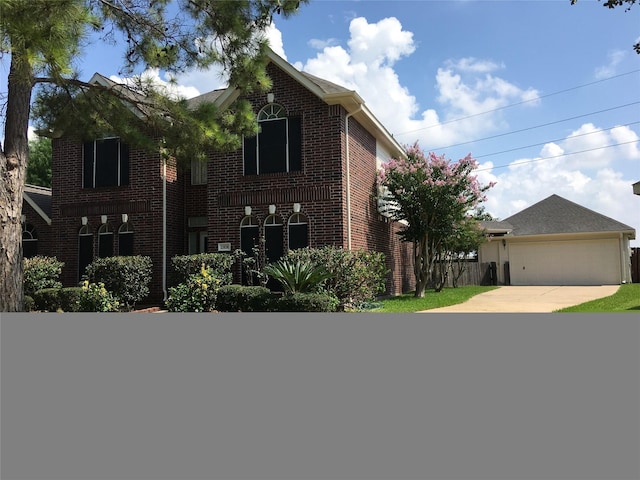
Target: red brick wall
[370, 230]
[141, 200]
[318, 187]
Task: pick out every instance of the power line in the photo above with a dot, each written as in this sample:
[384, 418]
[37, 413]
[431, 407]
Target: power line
[519, 103]
[536, 126]
[556, 156]
[556, 140]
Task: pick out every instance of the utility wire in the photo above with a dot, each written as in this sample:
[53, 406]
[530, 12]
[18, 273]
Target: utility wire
[556, 140]
[536, 126]
[520, 103]
[555, 156]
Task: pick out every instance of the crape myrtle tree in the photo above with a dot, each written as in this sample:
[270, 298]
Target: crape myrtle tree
[41, 41]
[434, 198]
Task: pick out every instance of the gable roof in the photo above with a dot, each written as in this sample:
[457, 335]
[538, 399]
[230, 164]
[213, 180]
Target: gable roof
[327, 91]
[39, 198]
[555, 215]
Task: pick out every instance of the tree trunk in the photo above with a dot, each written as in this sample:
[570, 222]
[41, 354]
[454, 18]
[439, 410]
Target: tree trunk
[420, 266]
[13, 167]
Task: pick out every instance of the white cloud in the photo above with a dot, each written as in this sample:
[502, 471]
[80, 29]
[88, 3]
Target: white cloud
[274, 37]
[172, 86]
[319, 44]
[465, 85]
[614, 58]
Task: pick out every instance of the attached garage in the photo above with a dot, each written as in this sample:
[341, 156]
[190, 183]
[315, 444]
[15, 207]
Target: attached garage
[570, 262]
[558, 242]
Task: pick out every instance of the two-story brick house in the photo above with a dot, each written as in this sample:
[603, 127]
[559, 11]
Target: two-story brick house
[307, 179]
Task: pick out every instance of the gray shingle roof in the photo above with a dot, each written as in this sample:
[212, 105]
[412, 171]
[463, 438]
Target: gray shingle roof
[558, 215]
[325, 85]
[41, 196]
[208, 97]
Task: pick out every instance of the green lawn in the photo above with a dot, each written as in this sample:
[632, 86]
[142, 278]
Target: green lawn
[626, 299]
[449, 296]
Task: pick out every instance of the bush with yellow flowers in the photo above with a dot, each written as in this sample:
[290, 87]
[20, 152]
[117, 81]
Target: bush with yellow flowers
[197, 294]
[94, 297]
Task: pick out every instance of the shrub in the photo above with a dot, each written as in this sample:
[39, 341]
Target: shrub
[357, 275]
[94, 297]
[197, 294]
[184, 266]
[69, 298]
[47, 299]
[307, 302]
[298, 276]
[41, 272]
[240, 298]
[126, 278]
[29, 303]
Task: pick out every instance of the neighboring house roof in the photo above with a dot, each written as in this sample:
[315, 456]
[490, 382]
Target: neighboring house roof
[39, 198]
[496, 227]
[636, 188]
[557, 215]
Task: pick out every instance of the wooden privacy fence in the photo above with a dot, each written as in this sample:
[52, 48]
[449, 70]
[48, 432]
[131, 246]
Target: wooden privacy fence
[474, 273]
[635, 265]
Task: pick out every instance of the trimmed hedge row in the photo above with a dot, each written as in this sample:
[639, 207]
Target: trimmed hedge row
[239, 298]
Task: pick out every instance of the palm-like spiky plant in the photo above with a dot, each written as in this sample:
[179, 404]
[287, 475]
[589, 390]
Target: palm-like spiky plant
[297, 276]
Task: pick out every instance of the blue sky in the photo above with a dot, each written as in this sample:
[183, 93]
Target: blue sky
[536, 80]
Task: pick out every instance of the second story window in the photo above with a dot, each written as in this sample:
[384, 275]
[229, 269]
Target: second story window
[105, 163]
[198, 172]
[278, 145]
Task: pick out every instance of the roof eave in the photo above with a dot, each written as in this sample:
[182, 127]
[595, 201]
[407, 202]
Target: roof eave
[35, 206]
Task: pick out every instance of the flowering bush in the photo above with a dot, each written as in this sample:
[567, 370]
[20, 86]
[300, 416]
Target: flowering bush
[197, 294]
[94, 297]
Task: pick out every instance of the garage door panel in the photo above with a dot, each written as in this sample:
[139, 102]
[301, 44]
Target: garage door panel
[588, 262]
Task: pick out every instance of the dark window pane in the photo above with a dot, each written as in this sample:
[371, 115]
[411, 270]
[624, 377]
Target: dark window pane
[295, 144]
[107, 162]
[272, 146]
[85, 253]
[273, 243]
[105, 245]
[124, 164]
[88, 165]
[248, 239]
[250, 155]
[29, 248]
[298, 236]
[125, 247]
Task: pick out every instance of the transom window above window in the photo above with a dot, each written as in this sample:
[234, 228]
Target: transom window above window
[278, 146]
[272, 111]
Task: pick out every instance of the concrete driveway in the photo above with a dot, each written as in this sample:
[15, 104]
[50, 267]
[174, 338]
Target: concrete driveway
[529, 299]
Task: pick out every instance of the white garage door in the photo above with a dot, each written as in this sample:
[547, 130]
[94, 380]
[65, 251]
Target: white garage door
[587, 262]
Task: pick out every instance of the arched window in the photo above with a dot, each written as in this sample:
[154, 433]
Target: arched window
[29, 240]
[105, 241]
[125, 239]
[298, 231]
[85, 249]
[273, 239]
[278, 145]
